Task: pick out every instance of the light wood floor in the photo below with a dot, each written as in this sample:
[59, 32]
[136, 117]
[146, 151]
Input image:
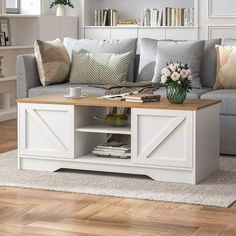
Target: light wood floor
[32, 212]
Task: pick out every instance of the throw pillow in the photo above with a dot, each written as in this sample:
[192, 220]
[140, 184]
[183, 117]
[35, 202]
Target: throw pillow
[118, 46]
[53, 61]
[185, 52]
[99, 68]
[226, 69]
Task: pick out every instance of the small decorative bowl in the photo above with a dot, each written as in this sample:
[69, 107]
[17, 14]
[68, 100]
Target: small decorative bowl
[118, 120]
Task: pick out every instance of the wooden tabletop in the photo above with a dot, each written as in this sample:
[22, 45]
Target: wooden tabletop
[189, 104]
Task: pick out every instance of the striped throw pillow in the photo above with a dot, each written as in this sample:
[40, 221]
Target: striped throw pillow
[99, 68]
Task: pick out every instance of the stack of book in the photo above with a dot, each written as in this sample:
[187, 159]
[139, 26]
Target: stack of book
[142, 98]
[105, 17]
[178, 16]
[127, 22]
[113, 149]
[151, 17]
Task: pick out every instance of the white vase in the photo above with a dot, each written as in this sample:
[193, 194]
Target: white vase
[60, 10]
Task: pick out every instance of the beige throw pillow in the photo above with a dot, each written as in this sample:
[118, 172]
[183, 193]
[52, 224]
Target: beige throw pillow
[226, 67]
[99, 68]
[53, 61]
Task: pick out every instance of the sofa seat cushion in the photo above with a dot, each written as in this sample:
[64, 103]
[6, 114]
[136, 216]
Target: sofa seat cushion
[228, 100]
[61, 88]
[193, 94]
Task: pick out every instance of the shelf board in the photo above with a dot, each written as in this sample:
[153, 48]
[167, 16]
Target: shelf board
[104, 129]
[15, 47]
[140, 27]
[91, 158]
[8, 78]
[19, 15]
[8, 114]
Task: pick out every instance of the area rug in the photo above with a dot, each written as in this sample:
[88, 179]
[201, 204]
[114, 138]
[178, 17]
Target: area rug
[218, 190]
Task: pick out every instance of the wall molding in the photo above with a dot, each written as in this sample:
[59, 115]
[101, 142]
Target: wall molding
[212, 15]
[210, 28]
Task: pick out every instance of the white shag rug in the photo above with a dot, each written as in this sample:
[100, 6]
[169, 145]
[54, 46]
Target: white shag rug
[218, 190]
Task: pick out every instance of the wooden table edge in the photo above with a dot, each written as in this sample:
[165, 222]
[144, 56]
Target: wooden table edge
[58, 99]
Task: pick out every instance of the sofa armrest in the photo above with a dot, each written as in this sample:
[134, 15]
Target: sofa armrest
[27, 75]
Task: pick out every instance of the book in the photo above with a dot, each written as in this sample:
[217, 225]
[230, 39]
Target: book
[173, 17]
[143, 101]
[142, 96]
[159, 22]
[127, 21]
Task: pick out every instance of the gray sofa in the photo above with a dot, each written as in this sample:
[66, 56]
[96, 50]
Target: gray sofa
[28, 83]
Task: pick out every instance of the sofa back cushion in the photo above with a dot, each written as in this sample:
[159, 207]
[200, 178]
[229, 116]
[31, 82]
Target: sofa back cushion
[229, 42]
[186, 52]
[148, 61]
[104, 46]
[208, 64]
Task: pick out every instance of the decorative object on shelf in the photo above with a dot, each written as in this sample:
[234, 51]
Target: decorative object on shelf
[12, 6]
[1, 75]
[177, 79]
[61, 6]
[5, 28]
[118, 120]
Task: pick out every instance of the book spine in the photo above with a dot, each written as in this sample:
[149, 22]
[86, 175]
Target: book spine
[114, 18]
[104, 18]
[96, 17]
[182, 17]
[173, 17]
[159, 23]
[191, 23]
[164, 17]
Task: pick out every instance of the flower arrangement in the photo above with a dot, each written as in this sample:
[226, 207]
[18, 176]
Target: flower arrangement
[177, 78]
[177, 73]
[62, 2]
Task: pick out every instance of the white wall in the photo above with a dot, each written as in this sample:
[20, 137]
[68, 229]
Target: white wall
[217, 19]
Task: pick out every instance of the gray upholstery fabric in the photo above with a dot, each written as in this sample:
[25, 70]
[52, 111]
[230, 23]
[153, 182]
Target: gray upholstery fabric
[208, 63]
[61, 88]
[147, 59]
[193, 94]
[27, 75]
[229, 42]
[106, 46]
[177, 51]
[228, 100]
[228, 135]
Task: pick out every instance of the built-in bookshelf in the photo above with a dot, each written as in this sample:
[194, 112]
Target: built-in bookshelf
[134, 10]
[35, 21]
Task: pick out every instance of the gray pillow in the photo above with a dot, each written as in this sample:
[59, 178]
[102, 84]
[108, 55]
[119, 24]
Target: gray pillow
[184, 52]
[208, 63]
[99, 68]
[104, 46]
[147, 59]
[229, 42]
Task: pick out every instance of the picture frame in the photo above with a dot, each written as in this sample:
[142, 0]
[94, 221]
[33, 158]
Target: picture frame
[5, 28]
[12, 6]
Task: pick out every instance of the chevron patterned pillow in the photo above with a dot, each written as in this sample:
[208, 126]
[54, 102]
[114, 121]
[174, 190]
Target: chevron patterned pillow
[99, 68]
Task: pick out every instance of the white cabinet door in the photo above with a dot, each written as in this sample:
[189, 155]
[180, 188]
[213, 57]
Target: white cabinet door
[182, 34]
[93, 33]
[152, 33]
[46, 130]
[124, 33]
[162, 137]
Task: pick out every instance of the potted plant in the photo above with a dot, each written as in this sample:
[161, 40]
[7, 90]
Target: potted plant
[177, 79]
[61, 6]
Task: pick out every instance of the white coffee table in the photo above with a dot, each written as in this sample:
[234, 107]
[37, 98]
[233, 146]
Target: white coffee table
[175, 143]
